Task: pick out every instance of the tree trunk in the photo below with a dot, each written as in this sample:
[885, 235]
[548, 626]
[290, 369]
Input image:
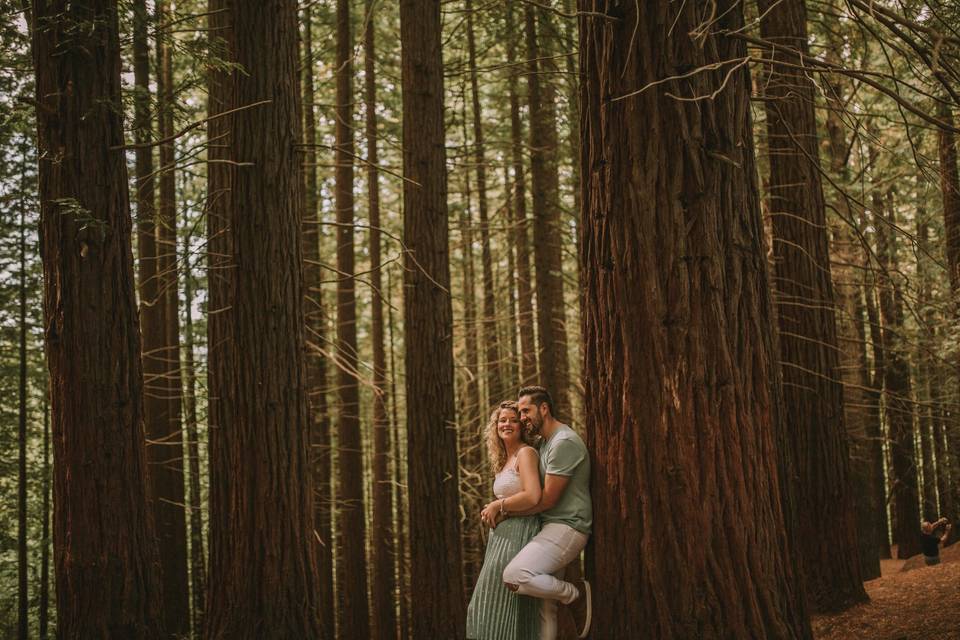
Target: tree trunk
[438, 609]
[384, 546]
[401, 556]
[107, 582]
[897, 386]
[164, 435]
[315, 318]
[22, 595]
[876, 431]
[44, 607]
[263, 575]
[809, 355]
[926, 413]
[950, 190]
[521, 236]
[198, 572]
[861, 418]
[491, 341]
[548, 247]
[682, 410]
[351, 520]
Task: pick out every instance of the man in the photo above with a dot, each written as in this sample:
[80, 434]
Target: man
[930, 542]
[566, 512]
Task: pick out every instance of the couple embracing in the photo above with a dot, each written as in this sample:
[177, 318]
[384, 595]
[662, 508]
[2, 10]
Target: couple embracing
[539, 524]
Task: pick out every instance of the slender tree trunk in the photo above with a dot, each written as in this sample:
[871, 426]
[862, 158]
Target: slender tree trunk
[384, 545]
[401, 555]
[521, 236]
[316, 338]
[107, 582]
[438, 609]
[897, 386]
[352, 561]
[22, 595]
[44, 607]
[470, 406]
[164, 434]
[263, 575]
[221, 275]
[812, 389]
[548, 247]
[926, 414]
[682, 403]
[198, 571]
[876, 431]
[950, 190]
[491, 341]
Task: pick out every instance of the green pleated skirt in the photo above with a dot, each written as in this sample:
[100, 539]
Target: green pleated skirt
[495, 612]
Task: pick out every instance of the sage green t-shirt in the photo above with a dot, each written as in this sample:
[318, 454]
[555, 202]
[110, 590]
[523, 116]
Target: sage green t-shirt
[564, 454]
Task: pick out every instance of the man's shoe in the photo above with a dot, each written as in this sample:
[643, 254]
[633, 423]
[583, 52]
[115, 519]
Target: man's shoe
[582, 609]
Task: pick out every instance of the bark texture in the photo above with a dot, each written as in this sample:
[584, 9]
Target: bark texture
[263, 576]
[438, 609]
[681, 399]
[809, 356]
[107, 577]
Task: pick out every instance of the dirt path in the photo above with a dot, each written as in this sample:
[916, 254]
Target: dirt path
[910, 602]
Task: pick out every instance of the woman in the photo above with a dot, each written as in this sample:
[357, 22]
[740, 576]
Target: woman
[495, 612]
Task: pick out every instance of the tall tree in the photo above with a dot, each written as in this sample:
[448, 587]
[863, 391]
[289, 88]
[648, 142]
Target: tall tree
[44, 605]
[520, 232]
[316, 333]
[898, 399]
[950, 192]
[164, 434]
[263, 574]
[383, 542]
[434, 526]
[681, 398]
[491, 342]
[352, 527]
[22, 595]
[809, 355]
[107, 581]
[547, 231]
[198, 572]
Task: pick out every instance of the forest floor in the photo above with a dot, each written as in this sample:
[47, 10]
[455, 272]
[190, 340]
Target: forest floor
[909, 601]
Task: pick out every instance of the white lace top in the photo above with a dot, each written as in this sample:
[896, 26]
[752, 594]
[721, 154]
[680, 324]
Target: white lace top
[507, 483]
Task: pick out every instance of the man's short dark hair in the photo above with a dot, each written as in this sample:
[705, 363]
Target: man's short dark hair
[538, 396]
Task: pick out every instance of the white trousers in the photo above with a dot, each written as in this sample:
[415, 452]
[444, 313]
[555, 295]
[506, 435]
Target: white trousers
[538, 567]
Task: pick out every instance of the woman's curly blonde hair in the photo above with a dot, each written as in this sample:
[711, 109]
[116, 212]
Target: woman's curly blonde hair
[495, 449]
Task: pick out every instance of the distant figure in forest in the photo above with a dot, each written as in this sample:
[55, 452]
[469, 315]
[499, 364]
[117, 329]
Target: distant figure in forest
[495, 612]
[566, 516]
[930, 541]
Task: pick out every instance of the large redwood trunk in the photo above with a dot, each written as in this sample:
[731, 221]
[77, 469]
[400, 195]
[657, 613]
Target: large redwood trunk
[263, 576]
[437, 610]
[106, 574]
[681, 407]
[547, 231]
[809, 355]
[384, 545]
